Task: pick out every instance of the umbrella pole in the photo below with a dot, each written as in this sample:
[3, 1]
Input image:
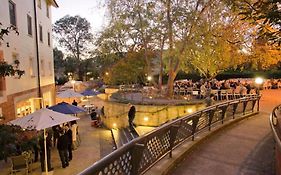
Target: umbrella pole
[45, 148]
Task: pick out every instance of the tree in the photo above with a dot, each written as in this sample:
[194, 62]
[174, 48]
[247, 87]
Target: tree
[129, 70]
[216, 45]
[5, 68]
[59, 62]
[73, 34]
[263, 55]
[266, 14]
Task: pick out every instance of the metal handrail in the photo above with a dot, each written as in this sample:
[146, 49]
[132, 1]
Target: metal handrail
[141, 154]
[273, 123]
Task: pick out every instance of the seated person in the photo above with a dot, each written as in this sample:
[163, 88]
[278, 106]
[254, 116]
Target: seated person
[94, 115]
[96, 121]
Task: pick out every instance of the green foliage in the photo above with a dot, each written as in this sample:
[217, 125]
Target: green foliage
[73, 33]
[5, 68]
[14, 140]
[266, 14]
[129, 70]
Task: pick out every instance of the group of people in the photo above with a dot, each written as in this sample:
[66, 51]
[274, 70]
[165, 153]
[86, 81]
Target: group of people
[64, 138]
[205, 87]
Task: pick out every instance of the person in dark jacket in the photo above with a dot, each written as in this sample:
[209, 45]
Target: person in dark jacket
[68, 133]
[74, 103]
[131, 115]
[42, 152]
[62, 147]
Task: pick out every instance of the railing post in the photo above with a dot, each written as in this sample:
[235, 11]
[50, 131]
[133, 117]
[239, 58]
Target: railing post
[211, 116]
[195, 121]
[259, 97]
[253, 104]
[244, 106]
[223, 108]
[173, 134]
[136, 157]
[235, 105]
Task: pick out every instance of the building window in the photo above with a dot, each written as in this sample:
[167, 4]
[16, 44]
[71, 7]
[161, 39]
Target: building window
[42, 67]
[49, 39]
[47, 11]
[39, 3]
[31, 67]
[29, 25]
[50, 69]
[40, 33]
[12, 10]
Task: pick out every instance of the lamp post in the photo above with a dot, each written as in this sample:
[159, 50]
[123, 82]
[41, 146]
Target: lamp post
[258, 82]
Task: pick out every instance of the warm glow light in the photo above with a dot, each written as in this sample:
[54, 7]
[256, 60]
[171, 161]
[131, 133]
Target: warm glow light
[150, 97]
[145, 119]
[189, 110]
[149, 78]
[72, 81]
[114, 125]
[258, 80]
[106, 73]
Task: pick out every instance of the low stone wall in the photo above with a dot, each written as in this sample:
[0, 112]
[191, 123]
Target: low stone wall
[116, 114]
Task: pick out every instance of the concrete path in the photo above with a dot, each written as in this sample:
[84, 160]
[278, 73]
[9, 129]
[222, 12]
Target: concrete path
[244, 148]
[95, 144]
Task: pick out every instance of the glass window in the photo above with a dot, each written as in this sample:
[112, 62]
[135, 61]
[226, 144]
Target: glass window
[29, 25]
[47, 11]
[12, 10]
[49, 39]
[31, 67]
[42, 67]
[39, 3]
[40, 33]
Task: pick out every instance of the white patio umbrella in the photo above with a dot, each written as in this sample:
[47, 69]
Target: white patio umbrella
[69, 94]
[40, 120]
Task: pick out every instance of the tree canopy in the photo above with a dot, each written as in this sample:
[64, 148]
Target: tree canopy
[5, 68]
[73, 33]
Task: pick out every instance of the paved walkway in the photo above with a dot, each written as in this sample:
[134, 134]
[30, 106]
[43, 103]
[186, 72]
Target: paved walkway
[244, 148]
[95, 144]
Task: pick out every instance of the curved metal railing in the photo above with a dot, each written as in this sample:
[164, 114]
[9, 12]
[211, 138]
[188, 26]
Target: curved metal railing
[276, 125]
[141, 154]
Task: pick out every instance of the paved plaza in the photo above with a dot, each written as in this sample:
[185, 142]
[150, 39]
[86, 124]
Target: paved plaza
[244, 148]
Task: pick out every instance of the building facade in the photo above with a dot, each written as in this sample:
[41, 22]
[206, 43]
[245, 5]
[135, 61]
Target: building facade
[32, 47]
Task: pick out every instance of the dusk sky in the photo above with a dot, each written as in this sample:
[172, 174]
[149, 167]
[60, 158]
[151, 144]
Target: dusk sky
[89, 9]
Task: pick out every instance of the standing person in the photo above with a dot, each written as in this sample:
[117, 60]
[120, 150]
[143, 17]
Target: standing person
[74, 129]
[74, 103]
[102, 111]
[42, 152]
[131, 115]
[68, 133]
[55, 134]
[62, 147]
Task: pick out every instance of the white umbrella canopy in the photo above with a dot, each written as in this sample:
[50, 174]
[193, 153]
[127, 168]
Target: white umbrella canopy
[69, 94]
[42, 119]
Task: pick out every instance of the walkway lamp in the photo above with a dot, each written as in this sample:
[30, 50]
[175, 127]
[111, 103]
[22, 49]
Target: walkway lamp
[258, 82]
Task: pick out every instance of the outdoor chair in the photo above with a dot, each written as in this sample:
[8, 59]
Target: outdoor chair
[19, 163]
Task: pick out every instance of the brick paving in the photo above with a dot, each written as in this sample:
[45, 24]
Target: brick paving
[244, 148]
